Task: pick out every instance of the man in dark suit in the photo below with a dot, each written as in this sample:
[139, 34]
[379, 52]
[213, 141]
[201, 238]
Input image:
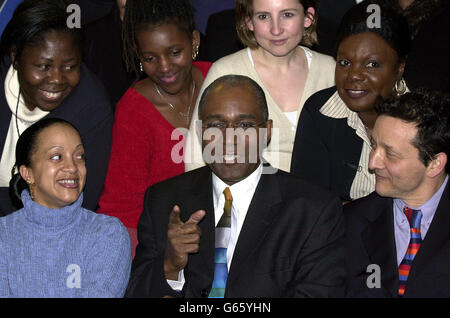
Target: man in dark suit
[398, 238]
[286, 235]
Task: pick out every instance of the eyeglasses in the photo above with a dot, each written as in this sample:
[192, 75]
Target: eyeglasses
[245, 124]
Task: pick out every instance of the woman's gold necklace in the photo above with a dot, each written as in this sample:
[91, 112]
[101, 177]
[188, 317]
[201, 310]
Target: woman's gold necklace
[186, 115]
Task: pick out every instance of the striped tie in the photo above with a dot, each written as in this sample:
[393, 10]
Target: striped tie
[221, 243]
[414, 217]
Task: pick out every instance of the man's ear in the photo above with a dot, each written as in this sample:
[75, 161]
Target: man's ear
[437, 165]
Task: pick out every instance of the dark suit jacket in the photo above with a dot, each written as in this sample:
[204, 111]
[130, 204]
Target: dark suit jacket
[326, 150]
[330, 15]
[88, 108]
[427, 64]
[103, 54]
[93, 10]
[370, 239]
[221, 38]
[290, 244]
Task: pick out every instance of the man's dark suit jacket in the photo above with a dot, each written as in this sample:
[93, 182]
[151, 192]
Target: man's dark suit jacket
[290, 245]
[89, 109]
[370, 239]
[326, 150]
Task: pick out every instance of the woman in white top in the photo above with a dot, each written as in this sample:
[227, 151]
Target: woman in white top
[288, 72]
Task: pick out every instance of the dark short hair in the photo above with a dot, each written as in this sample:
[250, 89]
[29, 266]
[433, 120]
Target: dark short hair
[26, 146]
[430, 112]
[142, 14]
[233, 80]
[244, 11]
[393, 27]
[32, 21]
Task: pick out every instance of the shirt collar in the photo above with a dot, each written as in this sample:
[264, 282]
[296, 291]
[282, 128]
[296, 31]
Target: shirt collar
[242, 191]
[335, 107]
[428, 208]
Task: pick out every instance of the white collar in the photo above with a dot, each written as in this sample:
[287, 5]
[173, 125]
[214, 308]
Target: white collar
[242, 193]
[12, 87]
[335, 107]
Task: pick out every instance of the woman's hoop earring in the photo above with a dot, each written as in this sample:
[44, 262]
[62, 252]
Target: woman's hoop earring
[195, 53]
[400, 87]
[140, 67]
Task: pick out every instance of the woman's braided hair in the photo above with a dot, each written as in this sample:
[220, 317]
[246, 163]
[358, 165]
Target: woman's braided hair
[144, 14]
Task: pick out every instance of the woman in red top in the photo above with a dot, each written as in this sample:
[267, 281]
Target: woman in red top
[161, 41]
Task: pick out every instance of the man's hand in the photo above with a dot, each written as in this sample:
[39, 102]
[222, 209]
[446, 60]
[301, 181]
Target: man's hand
[182, 239]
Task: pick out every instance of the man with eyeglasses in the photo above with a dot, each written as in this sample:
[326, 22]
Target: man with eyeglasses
[231, 230]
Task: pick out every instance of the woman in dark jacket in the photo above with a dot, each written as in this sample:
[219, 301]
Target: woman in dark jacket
[42, 75]
[332, 142]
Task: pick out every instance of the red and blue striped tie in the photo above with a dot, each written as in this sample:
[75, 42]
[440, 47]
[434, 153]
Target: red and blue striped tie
[414, 218]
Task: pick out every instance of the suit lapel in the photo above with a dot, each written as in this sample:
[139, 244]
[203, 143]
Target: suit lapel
[257, 220]
[202, 198]
[437, 235]
[379, 241]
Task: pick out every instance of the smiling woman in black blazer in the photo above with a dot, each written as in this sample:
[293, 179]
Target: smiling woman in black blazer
[332, 142]
[42, 75]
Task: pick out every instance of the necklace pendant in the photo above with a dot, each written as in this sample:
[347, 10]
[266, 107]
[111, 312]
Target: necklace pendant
[185, 115]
